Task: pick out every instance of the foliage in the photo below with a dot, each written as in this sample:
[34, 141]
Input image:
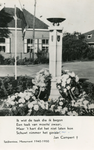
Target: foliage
[24, 61]
[41, 57]
[75, 47]
[9, 61]
[89, 89]
[90, 53]
[8, 85]
[1, 59]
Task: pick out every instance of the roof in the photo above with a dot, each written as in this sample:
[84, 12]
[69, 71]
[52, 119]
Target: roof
[28, 17]
[89, 36]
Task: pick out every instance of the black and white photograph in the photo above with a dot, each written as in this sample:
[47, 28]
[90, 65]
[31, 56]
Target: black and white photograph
[47, 74]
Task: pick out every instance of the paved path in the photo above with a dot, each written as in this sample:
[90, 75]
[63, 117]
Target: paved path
[82, 69]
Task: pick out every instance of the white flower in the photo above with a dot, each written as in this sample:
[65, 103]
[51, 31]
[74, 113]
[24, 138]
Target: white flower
[21, 100]
[41, 105]
[35, 87]
[65, 109]
[36, 107]
[46, 72]
[42, 89]
[80, 100]
[77, 78]
[58, 80]
[13, 97]
[61, 99]
[68, 87]
[54, 100]
[46, 105]
[65, 90]
[20, 105]
[75, 113]
[41, 84]
[84, 93]
[85, 102]
[77, 104]
[65, 76]
[31, 90]
[30, 105]
[34, 102]
[30, 110]
[68, 81]
[72, 74]
[52, 107]
[16, 95]
[59, 107]
[70, 113]
[91, 106]
[33, 97]
[63, 84]
[59, 87]
[27, 97]
[60, 103]
[20, 94]
[73, 102]
[73, 89]
[41, 101]
[16, 102]
[12, 103]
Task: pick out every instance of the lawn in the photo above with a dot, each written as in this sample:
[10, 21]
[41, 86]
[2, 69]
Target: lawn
[82, 69]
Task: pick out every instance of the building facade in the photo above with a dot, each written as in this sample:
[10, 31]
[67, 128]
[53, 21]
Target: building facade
[89, 38]
[24, 46]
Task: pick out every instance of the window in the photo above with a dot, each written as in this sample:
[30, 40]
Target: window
[5, 45]
[29, 45]
[40, 44]
[2, 40]
[89, 36]
[29, 41]
[45, 41]
[45, 45]
[2, 48]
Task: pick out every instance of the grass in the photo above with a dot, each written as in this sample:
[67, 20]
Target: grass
[82, 69]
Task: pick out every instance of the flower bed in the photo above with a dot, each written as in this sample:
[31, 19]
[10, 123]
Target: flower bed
[74, 101]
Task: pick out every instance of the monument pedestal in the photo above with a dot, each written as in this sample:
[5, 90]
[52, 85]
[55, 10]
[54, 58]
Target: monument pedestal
[54, 94]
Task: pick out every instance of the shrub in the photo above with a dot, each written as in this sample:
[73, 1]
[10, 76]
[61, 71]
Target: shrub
[8, 85]
[1, 59]
[9, 61]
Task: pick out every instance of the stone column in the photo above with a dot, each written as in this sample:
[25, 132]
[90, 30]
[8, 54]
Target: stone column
[55, 57]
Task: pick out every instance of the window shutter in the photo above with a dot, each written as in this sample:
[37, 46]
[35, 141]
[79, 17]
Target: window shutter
[7, 45]
[40, 44]
[36, 46]
[25, 45]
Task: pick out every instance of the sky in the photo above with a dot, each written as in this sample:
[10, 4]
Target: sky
[79, 14]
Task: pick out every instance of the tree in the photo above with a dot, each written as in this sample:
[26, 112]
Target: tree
[5, 18]
[74, 47]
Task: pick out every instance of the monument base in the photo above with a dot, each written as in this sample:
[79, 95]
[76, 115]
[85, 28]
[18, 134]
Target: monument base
[54, 94]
